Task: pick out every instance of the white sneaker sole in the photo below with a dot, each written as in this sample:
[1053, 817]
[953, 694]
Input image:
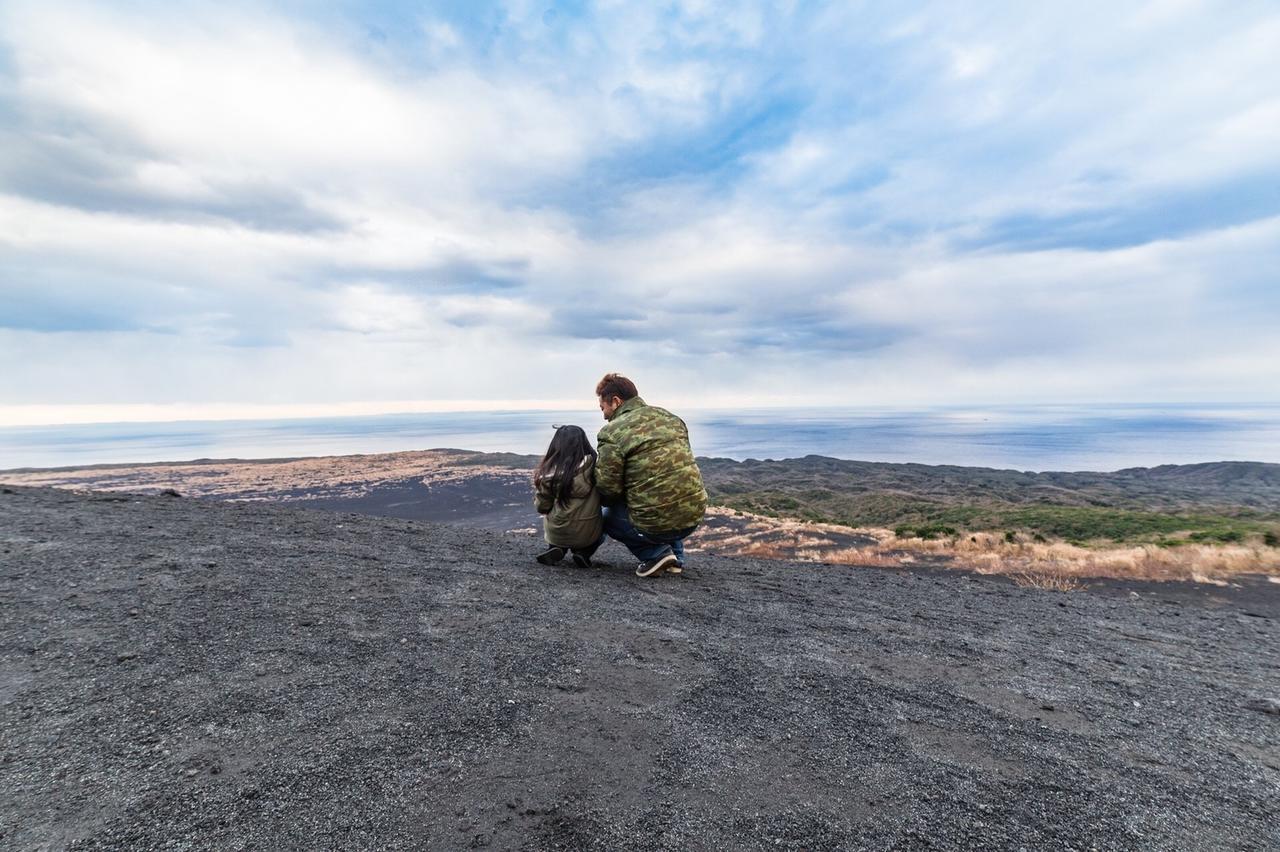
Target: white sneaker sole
[649, 570]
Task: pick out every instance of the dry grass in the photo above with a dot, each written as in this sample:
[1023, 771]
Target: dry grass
[1197, 562]
[1048, 582]
[1057, 565]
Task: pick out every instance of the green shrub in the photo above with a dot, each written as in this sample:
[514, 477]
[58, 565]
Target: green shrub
[935, 530]
[1270, 539]
[1223, 536]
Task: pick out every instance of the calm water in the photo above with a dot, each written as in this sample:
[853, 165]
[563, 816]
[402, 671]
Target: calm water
[1025, 438]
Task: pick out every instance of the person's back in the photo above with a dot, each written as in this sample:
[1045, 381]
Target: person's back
[565, 495]
[646, 461]
[648, 479]
[575, 522]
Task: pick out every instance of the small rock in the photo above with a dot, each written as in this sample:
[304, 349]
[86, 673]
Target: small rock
[1270, 706]
[193, 772]
[170, 492]
[1046, 706]
[126, 655]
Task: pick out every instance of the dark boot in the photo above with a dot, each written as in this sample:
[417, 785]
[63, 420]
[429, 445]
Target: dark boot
[582, 555]
[551, 556]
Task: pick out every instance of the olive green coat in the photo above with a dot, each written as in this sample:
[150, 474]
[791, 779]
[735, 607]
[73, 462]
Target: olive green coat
[578, 524]
[646, 463]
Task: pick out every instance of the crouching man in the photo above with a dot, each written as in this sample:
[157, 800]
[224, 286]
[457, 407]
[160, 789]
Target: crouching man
[647, 478]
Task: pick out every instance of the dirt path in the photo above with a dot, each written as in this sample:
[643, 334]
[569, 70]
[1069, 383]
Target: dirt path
[187, 674]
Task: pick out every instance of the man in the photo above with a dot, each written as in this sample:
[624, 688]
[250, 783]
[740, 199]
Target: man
[648, 480]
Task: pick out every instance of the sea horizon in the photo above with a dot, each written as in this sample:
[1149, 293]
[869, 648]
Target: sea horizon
[1061, 437]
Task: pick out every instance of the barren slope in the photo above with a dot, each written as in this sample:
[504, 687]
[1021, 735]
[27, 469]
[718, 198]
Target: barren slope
[188, 674]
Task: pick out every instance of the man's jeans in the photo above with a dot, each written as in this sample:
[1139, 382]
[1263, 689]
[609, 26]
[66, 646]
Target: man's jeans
[645, 546]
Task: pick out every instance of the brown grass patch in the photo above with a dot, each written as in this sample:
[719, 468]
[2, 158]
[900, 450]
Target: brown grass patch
[1055, 565]
[1049, 582]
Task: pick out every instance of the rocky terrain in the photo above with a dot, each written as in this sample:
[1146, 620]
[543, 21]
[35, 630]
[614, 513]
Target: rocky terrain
[1202, 523]
[196, 674]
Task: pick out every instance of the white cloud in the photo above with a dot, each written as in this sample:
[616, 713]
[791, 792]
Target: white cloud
[788, 207]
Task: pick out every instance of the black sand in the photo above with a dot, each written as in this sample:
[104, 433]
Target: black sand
[181, 674]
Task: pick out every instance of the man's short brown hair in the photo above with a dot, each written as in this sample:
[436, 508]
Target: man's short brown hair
[615, 385]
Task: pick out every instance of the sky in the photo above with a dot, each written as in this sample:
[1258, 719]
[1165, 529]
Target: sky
[233, 209]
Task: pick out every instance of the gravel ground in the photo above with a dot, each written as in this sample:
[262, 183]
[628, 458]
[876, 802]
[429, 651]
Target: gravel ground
[177, 674]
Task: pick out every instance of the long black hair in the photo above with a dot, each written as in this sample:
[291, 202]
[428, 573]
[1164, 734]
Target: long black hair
[569, 446]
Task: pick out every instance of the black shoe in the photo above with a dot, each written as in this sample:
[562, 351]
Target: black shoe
[582, 555]
[551, 556]
[650, 567]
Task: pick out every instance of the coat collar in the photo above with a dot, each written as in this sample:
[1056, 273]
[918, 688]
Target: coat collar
[630, 405]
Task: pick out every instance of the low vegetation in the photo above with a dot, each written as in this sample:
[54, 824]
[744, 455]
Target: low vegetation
[915, 518]
[1054, 565]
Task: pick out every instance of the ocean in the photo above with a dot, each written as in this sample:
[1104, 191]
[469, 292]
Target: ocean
[1023, 438]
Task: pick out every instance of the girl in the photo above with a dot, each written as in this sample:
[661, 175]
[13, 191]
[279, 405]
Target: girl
[565, 492]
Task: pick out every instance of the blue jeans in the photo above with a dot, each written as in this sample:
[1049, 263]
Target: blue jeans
[644, 546]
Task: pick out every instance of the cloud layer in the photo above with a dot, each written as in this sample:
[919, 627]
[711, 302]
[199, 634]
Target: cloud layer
[737, 203]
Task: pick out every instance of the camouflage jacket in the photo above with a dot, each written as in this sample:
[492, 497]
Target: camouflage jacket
[646, 462]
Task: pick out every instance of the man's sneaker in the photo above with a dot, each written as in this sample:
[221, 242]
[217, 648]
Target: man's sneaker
[678, 568]
[551, 555]
[582, 560]
[654, 566]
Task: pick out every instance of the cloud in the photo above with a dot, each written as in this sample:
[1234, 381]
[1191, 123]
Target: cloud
[738, 201]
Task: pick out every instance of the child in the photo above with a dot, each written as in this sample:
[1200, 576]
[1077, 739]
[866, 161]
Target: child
[565, 492]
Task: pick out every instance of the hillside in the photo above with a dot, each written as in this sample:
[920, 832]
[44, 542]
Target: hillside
[1223, 503]
[1252, 485]
[187, 674]
[1219, 502]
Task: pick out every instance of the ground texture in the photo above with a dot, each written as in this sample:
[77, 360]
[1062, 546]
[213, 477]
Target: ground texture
[184, 674]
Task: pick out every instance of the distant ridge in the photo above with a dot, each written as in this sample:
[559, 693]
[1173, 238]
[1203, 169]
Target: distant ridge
[1224, 502]
[1227, 483]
